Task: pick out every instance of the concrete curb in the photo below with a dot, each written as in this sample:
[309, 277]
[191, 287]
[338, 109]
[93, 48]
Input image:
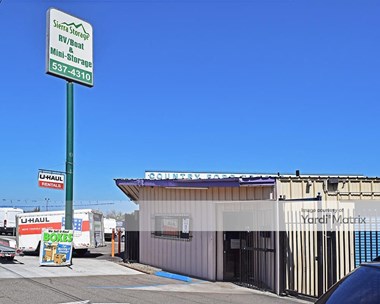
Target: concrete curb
[141, 267]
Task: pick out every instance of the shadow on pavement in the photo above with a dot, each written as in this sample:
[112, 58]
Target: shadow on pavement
[103, 252]
[87, 255]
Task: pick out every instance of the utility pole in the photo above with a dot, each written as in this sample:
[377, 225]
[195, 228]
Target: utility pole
[47, 203]
[69, 156]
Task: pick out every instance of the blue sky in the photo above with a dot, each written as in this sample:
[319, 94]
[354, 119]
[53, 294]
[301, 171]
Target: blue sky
[191, 85]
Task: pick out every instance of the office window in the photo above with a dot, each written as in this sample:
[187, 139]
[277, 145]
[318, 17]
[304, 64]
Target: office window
[174, 227]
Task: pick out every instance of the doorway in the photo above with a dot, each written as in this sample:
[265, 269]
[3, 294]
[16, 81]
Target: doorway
[231, 257]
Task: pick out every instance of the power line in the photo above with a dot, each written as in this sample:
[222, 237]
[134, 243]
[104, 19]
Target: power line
[157, 1]
[12, 203]
[60, 205]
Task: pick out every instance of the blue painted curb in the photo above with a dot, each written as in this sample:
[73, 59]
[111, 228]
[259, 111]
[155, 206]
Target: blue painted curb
[172, 276]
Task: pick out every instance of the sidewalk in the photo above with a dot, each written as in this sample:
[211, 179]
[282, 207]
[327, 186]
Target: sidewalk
[202, 286]
[196, 286]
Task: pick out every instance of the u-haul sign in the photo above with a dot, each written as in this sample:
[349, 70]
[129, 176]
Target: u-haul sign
[51, 180]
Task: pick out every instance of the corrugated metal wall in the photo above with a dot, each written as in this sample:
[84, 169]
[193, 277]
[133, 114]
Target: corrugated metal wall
[347, 188]
[337, 248]
[198, 256]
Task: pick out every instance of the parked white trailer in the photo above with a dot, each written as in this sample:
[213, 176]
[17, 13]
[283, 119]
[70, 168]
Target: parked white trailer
[8, 220]
[87, 225]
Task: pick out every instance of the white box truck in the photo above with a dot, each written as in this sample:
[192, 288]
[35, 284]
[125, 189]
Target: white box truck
[109, 224]
[8, 220]
[87, 225]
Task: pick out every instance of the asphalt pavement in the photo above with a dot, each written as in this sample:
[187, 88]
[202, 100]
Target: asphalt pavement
[99, 278]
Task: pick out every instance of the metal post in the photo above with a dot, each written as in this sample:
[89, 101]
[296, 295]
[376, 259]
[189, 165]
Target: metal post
[319, 258]
[69, 156]
[113, 243]
[119, 241]
[47, 203]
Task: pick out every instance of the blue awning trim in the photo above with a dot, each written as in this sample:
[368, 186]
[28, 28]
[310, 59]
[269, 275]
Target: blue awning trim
[131, 187]
[209, 183]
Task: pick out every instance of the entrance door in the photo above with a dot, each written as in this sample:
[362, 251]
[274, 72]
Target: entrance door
[132, 238]
[231, 267]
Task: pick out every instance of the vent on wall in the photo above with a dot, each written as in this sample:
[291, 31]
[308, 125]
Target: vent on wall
[332, 184]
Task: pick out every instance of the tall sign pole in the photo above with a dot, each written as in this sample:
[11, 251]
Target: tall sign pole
[69, 55]
[69, 156]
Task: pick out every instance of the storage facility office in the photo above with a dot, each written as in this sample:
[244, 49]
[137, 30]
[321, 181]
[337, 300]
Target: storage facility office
[169, 209]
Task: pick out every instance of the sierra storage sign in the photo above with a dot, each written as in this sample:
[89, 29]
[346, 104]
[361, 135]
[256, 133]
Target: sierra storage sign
[51, 180]
[69, 48]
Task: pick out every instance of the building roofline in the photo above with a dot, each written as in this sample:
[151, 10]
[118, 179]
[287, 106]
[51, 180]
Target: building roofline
[131, 187]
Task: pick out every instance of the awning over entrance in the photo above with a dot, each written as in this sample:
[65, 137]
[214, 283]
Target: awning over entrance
[131, 187]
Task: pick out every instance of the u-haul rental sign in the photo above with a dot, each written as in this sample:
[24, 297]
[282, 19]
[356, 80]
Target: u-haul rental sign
[51, 180]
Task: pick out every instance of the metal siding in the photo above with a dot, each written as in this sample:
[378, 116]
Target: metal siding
[194, 259]
[251, 193]
[179, 253]
[144, 222]
[197, 256]
[303, 245]
[171, 258]
[301, 249]
[219, 250]
[211, 262]
[158, 246]
[186, 245]
[202, 195]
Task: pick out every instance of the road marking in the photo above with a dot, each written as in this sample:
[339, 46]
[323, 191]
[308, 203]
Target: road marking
[89, 302]
[80, 302]
[143, 286]
[194, 287]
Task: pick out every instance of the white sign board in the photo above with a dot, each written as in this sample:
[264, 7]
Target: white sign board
[51, 180]
[69, 53]
[186, 225]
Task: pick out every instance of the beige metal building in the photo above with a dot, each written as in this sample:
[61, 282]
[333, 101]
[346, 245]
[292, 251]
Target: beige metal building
[180, 229]
[316, 259]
